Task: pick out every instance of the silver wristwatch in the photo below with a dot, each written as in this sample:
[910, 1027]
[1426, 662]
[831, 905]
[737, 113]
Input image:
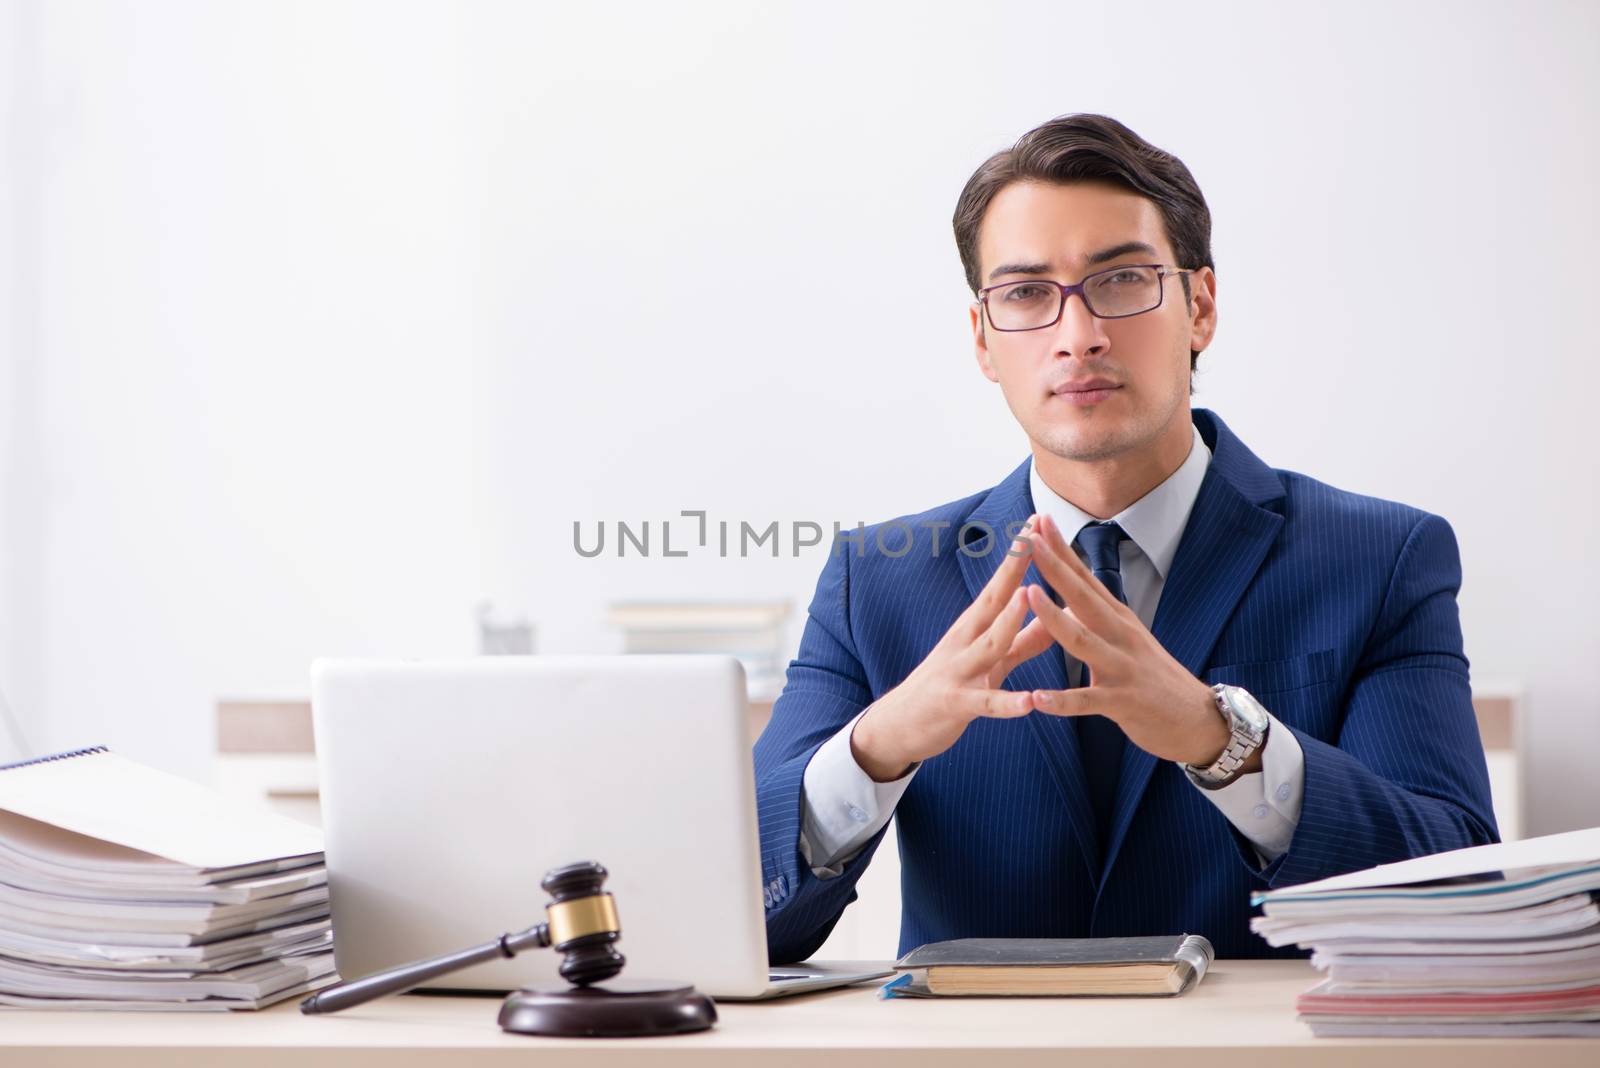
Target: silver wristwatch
[1248, 721]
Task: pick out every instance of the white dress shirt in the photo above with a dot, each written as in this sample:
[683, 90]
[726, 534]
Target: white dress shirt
[844, 807]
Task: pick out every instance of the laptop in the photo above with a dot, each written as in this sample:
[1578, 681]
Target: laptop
[449, 788]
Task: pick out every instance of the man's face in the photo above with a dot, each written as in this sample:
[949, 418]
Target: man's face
[1063, 232]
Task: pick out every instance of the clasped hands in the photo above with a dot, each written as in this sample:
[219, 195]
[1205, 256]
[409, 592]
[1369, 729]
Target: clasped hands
[1134, 681]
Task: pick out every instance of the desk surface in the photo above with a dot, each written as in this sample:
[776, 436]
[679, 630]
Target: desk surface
[1243, 1013]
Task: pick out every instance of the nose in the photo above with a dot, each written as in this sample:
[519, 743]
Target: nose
[1077, 333]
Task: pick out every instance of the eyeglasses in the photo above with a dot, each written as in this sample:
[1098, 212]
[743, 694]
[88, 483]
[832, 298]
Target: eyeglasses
[1115, 293]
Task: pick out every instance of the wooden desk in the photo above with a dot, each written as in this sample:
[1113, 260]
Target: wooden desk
[1242, 1014]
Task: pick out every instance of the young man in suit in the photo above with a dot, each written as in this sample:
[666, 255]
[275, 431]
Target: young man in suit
[1145, 674]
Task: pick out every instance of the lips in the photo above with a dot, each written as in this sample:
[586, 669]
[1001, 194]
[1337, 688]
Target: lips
[1085, 385]
[1086, 391]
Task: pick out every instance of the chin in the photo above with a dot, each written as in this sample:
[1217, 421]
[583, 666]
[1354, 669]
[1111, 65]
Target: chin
[1091, 439]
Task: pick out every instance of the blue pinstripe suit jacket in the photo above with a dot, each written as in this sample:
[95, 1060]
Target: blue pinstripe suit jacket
[1337, 611]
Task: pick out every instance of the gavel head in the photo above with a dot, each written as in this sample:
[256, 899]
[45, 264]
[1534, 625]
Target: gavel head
[583, 923]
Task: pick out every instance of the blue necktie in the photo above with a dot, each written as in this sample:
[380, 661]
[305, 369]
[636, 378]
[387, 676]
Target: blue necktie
[1100, 740]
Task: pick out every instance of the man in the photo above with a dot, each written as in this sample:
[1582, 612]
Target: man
[1145, 674]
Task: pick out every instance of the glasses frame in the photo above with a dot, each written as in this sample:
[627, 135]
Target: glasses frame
[1161, 269]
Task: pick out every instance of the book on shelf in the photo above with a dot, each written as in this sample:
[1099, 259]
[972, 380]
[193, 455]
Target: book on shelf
[741, 616]
[752, 631]
[124, 887]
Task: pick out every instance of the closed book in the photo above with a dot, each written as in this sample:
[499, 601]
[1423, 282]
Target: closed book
[1156, 966]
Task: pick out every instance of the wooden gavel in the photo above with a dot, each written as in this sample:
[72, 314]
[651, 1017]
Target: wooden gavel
[581, 923]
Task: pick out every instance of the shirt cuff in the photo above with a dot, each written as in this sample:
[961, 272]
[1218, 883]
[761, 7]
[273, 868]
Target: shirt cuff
[1265, 805]
[843, 807]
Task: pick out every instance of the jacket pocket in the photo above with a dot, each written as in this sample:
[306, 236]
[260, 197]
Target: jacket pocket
[1276, 676]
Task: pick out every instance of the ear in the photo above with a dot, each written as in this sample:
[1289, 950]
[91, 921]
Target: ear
[980, 343]
[1202, 308]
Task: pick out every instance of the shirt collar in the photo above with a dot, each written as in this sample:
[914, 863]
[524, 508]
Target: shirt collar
[1154, 522]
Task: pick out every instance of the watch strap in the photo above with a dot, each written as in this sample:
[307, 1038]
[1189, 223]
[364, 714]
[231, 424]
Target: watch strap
[1241, 744]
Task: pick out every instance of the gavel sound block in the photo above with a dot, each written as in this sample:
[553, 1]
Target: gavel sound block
[582, 925]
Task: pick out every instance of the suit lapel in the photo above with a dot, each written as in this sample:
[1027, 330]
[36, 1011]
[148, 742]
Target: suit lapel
[981, 546]
[1226, 538]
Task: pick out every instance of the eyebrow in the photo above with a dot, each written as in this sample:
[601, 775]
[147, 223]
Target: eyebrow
[1094, 257]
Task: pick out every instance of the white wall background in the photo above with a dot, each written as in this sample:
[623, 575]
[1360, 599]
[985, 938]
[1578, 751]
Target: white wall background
[317, 329]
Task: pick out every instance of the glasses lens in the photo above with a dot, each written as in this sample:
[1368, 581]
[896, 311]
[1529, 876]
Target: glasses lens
[1023, 305]
[1124, 291]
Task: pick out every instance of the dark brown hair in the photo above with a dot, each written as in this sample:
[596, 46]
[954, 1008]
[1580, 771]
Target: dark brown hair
[1092, 148]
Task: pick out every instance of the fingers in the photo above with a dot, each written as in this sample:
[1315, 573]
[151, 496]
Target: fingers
[1071, 579]
[1064, 625]
[1058, 561]
[1001, 585]
[1032, 641]
[993, 644]
[1084, 701]
[998, 704]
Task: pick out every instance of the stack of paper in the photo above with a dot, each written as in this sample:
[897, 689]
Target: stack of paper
[1494, 940]
[123, 887]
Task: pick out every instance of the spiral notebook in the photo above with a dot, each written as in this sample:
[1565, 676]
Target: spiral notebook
[146, 821]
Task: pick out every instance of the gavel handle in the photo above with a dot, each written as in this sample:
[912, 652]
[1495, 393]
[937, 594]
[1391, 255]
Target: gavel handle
[392, 981]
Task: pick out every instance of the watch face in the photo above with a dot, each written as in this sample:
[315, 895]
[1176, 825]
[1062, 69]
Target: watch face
[1247, 708]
